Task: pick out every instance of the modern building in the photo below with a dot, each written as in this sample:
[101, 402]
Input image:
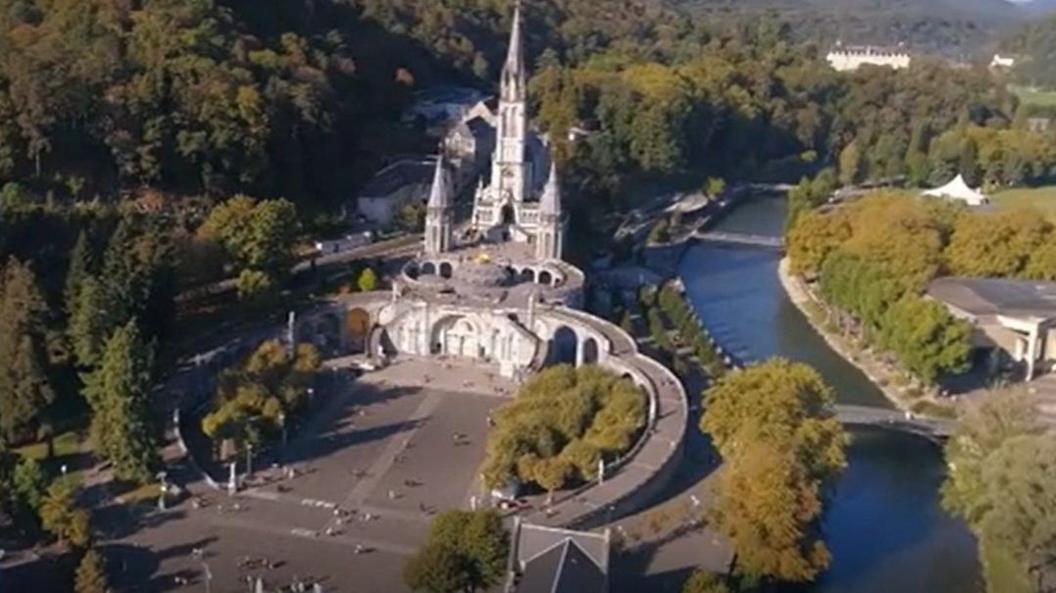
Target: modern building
[849, 58]
[551, 560]
[1014, 321]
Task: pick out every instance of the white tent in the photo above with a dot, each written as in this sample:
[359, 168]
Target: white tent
[958, 190]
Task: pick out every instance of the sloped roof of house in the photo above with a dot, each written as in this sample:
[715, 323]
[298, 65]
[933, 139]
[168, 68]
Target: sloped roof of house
[564, 568]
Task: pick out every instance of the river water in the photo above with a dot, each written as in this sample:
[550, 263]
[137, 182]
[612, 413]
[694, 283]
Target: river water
[883, 524]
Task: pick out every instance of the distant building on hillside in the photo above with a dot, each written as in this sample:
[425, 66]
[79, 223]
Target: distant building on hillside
[1002, 62]
[1039, 124]
[847, 58]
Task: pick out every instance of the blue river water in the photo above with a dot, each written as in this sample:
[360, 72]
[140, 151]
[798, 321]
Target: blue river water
[883, 523]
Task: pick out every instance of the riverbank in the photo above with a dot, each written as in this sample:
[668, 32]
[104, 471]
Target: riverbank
[886, 377]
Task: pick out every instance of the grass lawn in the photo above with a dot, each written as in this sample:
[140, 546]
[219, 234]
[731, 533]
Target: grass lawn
[1043, 198]
[1031, 96]
[66, 444]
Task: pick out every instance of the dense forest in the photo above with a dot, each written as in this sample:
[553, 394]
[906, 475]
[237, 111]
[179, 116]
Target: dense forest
[1035, 46]
[954, 28]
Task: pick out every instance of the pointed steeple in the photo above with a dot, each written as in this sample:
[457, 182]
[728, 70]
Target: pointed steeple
[440, 193]
[514, 73]
[550, 202]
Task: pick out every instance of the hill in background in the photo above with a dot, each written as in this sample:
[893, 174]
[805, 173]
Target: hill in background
[956, 28]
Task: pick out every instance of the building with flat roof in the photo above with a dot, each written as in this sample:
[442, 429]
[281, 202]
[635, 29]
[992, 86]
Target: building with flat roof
[1013, 319]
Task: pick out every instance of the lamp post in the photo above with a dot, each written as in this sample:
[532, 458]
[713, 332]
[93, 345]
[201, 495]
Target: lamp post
[282, 423]
[249, 459]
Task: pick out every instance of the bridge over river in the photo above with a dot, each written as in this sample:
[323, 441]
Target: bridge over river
[928, 427]
[746, 239]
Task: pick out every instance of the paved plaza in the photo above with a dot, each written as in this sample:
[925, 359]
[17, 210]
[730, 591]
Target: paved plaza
[383, 454]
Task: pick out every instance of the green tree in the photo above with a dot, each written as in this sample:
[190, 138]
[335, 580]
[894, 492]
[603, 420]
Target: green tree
[437, 569]
[702, 581]
[773, 425]
[464, 552]
[118, 392]
[88, 322]
[91, 574]
[79, 269]
[252, 284]
[60, 515]
[982, 430]
[25, 387]
[715, 186]
[850, 164]
[927, 340]
[367, 280]
[259, 235]
[997, 244]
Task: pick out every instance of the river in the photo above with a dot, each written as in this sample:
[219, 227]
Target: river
[883, 524]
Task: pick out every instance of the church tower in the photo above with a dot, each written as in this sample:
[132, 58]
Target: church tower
[511, 169]
[549, 239]
[439, 218]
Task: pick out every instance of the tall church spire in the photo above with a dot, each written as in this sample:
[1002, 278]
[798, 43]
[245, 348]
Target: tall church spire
[514, 73]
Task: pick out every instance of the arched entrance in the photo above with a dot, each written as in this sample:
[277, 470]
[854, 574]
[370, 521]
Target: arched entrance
[445, 270]
[357, 327]
[545, 278]
[563, 346]
[509, 216]
[590, 351]
[428, 268]
[455, 336]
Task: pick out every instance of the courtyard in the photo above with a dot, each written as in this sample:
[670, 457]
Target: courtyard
[358, 487]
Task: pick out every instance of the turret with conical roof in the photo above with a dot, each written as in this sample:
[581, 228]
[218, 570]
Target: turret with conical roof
[439, 218]
[549, 240]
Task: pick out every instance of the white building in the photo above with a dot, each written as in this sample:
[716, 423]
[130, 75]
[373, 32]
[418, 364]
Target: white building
[1000, 61]
[515, 202]
[849, 58]
[403, 182]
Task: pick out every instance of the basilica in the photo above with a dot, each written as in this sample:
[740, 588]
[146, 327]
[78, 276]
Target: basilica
[520, 201]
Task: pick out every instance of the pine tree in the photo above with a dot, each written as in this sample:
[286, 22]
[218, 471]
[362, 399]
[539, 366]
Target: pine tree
[60, 515]
[88, 322]
[91, 574]
[79, 269]
[118, 392]
[25, 391]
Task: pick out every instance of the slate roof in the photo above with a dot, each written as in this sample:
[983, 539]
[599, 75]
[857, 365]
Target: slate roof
[564, 568]
[534, 540]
